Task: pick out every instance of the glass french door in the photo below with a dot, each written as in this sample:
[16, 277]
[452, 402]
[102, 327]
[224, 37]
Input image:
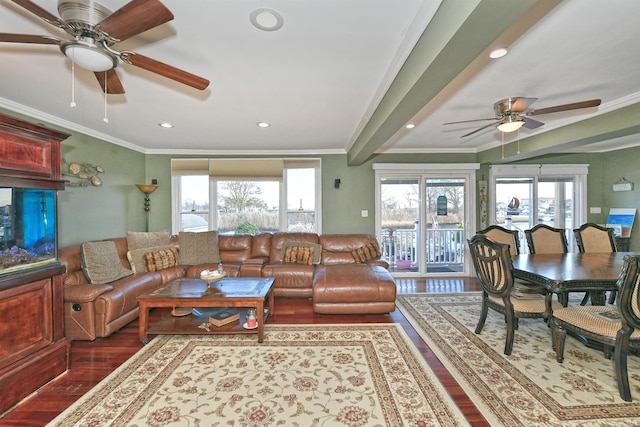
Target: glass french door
[543, 197]
[424, 219]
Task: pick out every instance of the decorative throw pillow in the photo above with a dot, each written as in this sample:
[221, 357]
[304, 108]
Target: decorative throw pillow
[366, 252]
[199, 248]
[136, 257]
[316, 254]
[101, 263]
[141, 239]
[159, 260]
[298, 255]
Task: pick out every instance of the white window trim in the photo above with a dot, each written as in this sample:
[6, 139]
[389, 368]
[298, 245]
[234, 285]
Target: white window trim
[289, 163]
[579, 173]
[428, 170]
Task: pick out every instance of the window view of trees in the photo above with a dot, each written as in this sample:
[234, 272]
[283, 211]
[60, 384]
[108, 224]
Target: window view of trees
[246, 204]
[248, 207]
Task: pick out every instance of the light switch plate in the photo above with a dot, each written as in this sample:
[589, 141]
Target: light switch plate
[364, 213]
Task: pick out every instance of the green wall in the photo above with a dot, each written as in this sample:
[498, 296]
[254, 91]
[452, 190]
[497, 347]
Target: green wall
[91, 213]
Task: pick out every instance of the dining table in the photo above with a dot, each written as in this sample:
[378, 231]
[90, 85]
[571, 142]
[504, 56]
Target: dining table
[592, 272]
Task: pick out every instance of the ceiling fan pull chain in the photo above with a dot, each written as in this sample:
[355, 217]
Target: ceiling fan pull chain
[105, 119]
[518, 136]
[502, 133]
[73, 83]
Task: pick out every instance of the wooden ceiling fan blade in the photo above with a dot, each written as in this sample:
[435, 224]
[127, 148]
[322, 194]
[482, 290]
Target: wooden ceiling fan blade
[39, 11]
[566, 107]
[468, 121]
[481, 128]
[134, 18]
[111, 80]
[28, 38]
[531, 124]
[522, 104]
[165, 70]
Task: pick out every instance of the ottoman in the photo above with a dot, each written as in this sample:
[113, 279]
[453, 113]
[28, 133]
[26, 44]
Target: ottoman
[353, 289]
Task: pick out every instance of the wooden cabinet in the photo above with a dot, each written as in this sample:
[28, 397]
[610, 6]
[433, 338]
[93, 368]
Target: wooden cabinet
[33, 347]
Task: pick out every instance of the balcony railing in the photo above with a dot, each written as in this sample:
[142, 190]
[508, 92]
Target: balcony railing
[443, 252]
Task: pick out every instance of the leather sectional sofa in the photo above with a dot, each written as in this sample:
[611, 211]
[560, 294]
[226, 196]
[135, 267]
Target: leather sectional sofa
[337, 283]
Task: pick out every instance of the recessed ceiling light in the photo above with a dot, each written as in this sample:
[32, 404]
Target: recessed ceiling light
[165, 125]
[263, 124]
[410, 126]
[266, 19]
[498, 53]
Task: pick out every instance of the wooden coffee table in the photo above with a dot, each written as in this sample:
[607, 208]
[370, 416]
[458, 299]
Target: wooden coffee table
[237, 292]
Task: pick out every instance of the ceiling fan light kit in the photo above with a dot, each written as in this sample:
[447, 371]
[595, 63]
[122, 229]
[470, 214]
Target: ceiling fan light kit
[94, 30]
[510, 124]
[513, 113]
[87, 54]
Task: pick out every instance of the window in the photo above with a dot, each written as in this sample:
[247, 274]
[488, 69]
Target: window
[249, 195]
[526, 195]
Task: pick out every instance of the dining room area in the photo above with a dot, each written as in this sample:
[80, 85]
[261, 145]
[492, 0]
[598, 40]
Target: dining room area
[538, 280]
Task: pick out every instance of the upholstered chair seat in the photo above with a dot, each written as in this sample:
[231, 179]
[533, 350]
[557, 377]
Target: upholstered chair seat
[617, 329]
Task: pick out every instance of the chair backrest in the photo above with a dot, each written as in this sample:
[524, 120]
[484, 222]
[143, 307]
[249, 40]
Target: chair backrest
[543, 239]
[629, 298]
[592, 237]
[502, 235]
[492, 263]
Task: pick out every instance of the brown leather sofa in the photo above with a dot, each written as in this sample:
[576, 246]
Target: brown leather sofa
[338, 284]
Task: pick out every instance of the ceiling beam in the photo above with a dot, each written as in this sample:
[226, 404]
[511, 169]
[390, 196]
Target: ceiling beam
[614, 124]
[456, 36]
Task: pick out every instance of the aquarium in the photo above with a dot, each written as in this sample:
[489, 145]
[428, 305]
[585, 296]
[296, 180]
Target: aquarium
[27, 228]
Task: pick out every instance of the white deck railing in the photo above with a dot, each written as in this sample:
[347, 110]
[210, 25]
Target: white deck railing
[442, 247]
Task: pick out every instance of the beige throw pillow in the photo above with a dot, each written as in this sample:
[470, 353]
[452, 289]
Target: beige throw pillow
[152, 239]
[101, 263]
[199, 248]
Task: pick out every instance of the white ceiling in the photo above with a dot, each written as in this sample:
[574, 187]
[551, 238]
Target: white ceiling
[343, 76]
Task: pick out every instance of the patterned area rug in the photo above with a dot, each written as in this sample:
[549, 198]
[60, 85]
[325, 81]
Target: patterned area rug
[528, 388]
[302, 375]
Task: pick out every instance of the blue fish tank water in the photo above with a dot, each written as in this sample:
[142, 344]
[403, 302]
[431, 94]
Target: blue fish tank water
[27, 228]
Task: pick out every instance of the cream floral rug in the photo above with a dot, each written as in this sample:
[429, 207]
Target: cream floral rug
[302, 375]
[528, 388]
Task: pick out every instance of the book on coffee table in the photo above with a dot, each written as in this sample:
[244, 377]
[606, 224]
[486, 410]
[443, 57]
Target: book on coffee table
[218, 316]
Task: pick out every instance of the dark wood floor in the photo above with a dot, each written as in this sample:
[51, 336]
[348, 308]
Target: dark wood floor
[91, 361]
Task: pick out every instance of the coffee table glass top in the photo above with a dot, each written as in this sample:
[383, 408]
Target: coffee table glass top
[227, 287]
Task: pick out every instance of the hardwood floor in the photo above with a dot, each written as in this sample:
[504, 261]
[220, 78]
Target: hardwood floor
[91, 361]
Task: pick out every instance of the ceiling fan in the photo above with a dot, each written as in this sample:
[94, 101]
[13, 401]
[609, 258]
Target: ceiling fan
[512, 114]
[94, 30]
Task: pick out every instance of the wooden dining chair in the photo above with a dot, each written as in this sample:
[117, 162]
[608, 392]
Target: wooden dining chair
[494, 268]
[616, 328]
[512, 238]
[592, 237]
[544, 239]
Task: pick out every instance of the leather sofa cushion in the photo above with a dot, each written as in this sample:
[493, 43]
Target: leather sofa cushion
[261, 245]
[353, 284]
[338, 248]
[234, 249]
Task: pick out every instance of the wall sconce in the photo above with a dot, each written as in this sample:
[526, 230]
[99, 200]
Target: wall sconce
[147, 189]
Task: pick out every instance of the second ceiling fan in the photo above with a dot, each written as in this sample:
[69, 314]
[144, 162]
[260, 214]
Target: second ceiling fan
[513, 113]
